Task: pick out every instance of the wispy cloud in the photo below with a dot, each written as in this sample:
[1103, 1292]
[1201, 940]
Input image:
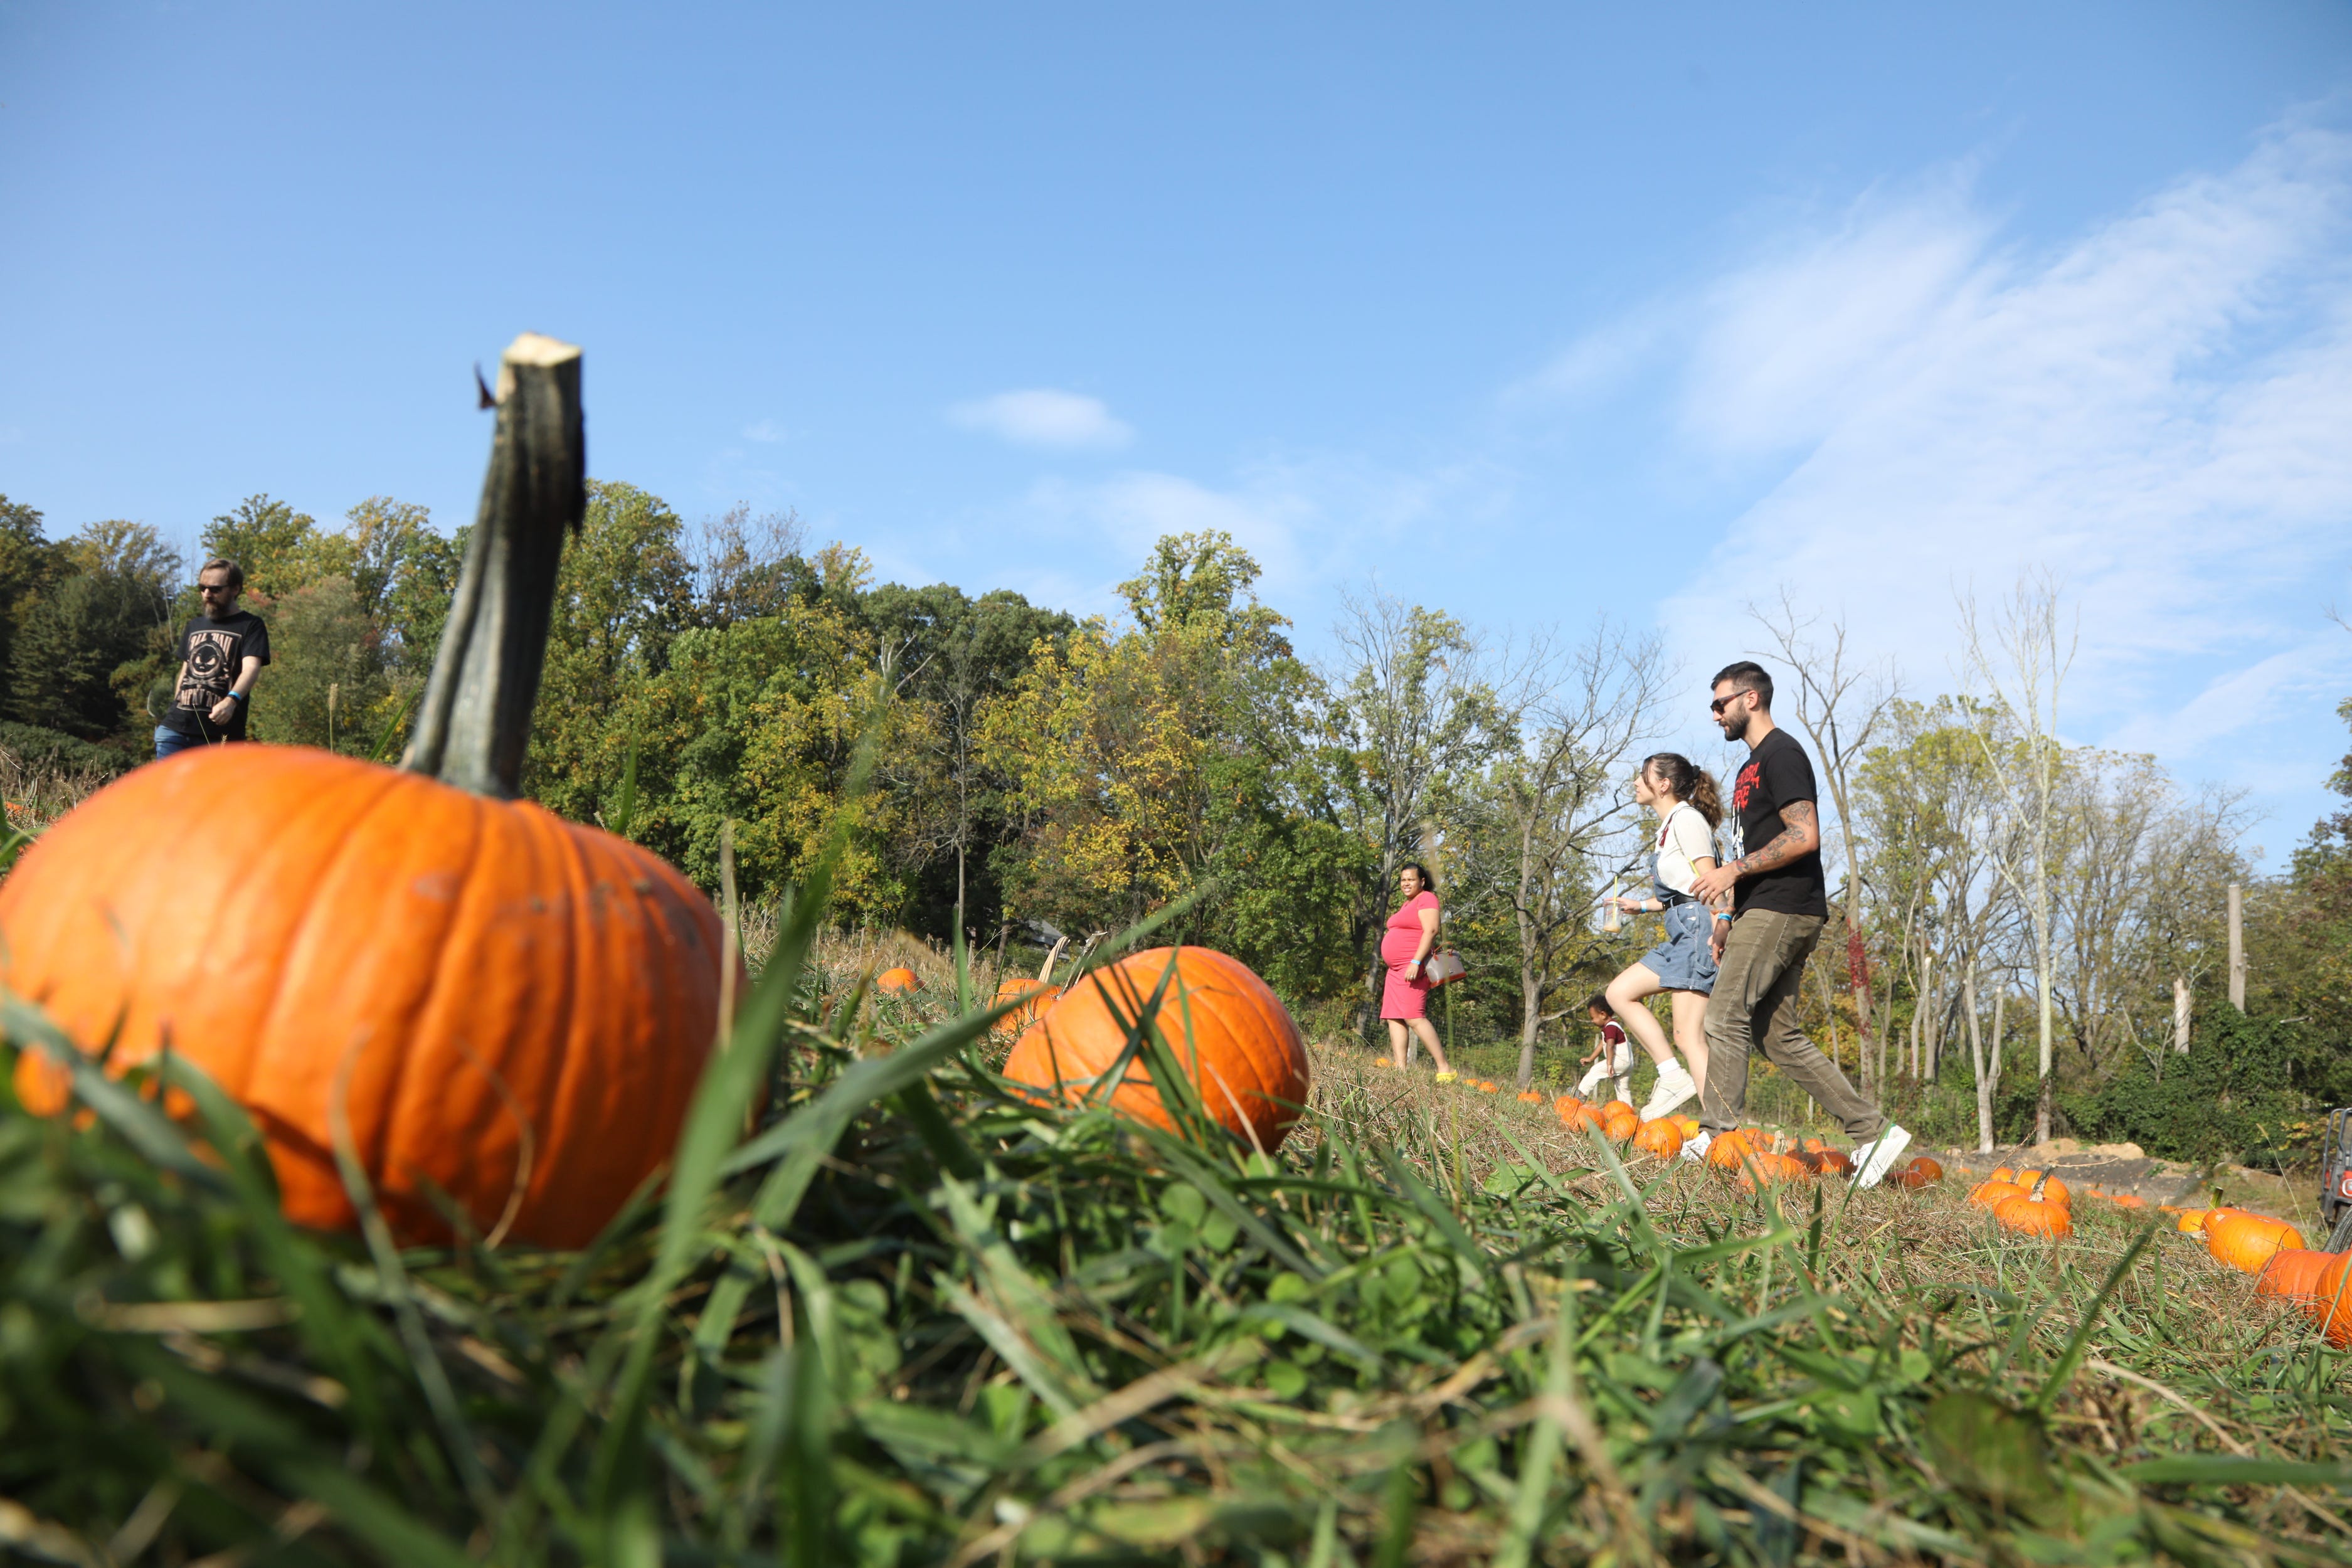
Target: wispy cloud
[2155, 413]
[766, 432]
[1042, 417]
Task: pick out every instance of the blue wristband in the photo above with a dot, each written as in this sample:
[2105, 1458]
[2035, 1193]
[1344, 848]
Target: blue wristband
[239, 696]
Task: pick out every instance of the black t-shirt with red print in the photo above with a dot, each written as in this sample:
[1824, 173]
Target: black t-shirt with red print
[1778, 773]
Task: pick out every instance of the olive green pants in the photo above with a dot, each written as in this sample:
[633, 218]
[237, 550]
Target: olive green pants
[1754, 1007]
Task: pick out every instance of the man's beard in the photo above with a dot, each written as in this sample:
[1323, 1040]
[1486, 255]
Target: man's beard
[1736, 729]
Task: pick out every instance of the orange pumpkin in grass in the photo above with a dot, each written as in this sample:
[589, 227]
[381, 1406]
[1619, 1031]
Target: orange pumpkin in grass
[1035, 996]
[2247, 1241]
[1834, 1163]
[509, 1006]
[1579, 1115]
[1688, 1126]
[2293, 1273]
[2054, 1191]
[2191, 1222]
[2329, 1305]
[2003, 1174]
[2029, 1215]
[897, 981]
[1920, 1173]
[1991, 1194]
[1230, 1033]
[1530, 1097]
[1566, 1106]
[1770, 1169]
[1620, 1123]
[2128, 1201]
[1727, 1150]
[1661, 1137]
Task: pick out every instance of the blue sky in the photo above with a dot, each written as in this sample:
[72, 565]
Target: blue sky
[1536, 315]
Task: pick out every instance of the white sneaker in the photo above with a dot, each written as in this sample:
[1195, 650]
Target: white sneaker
[1673, 1088]
[1694, 1146]
[1878, 1158]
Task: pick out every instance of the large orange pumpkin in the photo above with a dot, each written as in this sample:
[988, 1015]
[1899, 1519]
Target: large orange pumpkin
[512, 1007]
[2031, 1215]
[1661, 1137]
[2293, 1273]
[2330, 1302]
[897, 981]
[2248, 1241]
[1228, 1031]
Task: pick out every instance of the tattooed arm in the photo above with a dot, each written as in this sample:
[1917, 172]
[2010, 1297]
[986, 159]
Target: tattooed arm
[1801, 833]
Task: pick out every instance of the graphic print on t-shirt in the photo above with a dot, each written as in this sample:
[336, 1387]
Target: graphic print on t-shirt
[210, 669]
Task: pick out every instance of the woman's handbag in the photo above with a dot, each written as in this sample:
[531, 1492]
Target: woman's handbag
[1444, 968]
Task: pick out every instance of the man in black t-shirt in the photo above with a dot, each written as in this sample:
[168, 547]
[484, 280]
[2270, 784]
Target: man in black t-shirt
[221, 655]
[1778, 906]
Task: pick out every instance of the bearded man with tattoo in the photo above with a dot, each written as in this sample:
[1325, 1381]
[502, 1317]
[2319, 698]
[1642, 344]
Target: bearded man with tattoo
[1779, 904]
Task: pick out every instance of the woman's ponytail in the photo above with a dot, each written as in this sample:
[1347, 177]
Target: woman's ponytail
[1689, 783]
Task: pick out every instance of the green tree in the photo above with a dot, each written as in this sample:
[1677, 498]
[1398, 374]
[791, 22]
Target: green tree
[327, 680]
[278, 548]
[88, 640]
[624, 593]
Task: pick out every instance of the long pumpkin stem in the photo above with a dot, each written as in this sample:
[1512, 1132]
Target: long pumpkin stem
[473, 724]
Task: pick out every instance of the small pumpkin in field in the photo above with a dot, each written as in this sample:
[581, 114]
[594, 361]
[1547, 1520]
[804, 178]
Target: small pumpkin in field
[1227, 1031]
[1488, 1086]
[1530, 1097]
[1661, 1137]
[1991, 1194]
[1767, 1168]
[1920, 1173]
[1619, 1123]
[897, 981]
[1685, 1125]
[2029, 1215]
[1033, 996]
[2128, 1201]
[1613, 1107]
[1726, 1150]
[2248, 1241]
[2191, 1222]
[1833, 1162]
[2054, 1191]
[497, 1002]
[2005, 1174]
[1579, 1115]
[2293, 1273]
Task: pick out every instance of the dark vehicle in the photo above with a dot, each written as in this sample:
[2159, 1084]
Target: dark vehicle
[2336, 1180]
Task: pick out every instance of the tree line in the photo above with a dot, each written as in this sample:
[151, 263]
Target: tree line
[2027, 935]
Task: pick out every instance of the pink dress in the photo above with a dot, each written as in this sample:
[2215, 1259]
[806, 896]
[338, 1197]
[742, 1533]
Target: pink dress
[1402, 998]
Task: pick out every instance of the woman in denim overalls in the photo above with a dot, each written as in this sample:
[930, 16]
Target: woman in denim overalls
[1689, 810]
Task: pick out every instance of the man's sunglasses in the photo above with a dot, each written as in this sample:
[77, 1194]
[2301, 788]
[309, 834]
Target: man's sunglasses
[208, 589]
[1720, 703]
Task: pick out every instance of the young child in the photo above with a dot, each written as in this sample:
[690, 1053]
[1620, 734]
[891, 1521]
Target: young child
[1611, 1054]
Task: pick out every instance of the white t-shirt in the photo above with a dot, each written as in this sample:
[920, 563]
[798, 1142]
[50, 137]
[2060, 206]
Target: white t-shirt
[1684, 837]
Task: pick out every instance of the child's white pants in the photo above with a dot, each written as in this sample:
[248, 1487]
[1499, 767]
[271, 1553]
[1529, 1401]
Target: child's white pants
[1620, 1068]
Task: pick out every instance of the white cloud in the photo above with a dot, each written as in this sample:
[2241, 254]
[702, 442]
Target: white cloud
[766, 432]
[1042, 417]
[2155, 413]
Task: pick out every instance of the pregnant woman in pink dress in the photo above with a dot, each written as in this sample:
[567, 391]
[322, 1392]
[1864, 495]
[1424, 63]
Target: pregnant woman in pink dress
[1407, 944]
